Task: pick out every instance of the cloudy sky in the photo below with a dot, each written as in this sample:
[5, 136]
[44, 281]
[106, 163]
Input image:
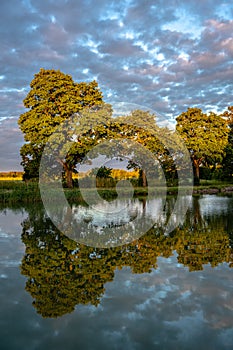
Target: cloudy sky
[164, 55]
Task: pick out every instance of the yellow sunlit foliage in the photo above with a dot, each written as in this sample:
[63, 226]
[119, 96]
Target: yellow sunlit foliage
[115, 173]
[11, 176]
[124, 174]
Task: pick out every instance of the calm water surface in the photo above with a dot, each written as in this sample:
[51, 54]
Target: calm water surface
[159, 292]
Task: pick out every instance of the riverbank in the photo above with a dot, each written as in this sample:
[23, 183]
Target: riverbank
[20, 192]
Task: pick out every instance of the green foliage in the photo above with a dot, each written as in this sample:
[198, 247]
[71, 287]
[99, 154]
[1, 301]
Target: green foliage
[102, 172]
[74, 113]
[227, 163]
[205, 136]
[157, 145]
[54, 97]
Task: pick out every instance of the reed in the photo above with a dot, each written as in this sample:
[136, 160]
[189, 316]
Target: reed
[18, 191]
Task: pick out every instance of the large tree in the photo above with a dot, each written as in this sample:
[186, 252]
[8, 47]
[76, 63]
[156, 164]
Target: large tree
[73, 139]
[205, 136]
[54, 97]
[141, 127]
[228, 158]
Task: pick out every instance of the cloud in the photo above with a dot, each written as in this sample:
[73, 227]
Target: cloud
[167, 56]
[11, 139]
[168, 308]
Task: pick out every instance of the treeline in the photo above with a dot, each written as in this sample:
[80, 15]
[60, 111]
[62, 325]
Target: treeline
[11, 174]
[85, 121]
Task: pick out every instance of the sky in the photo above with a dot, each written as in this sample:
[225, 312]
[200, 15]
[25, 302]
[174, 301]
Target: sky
[163, 55]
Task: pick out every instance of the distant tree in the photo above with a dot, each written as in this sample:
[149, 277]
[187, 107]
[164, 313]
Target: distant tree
[102, 172]
[227, 162]
[31, 156]
[54, 97]
[205, 136]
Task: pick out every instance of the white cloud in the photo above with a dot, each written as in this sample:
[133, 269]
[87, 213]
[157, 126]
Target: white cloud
[159, 55]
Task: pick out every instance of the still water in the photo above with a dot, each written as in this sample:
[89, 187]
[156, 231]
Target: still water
[158, 292]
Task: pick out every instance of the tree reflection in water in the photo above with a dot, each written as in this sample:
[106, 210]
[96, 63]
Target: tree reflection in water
[63, 273]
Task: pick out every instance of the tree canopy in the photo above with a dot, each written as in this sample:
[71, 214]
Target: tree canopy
[54, 97]
[227, 163]
[205, 135]
[77, 117]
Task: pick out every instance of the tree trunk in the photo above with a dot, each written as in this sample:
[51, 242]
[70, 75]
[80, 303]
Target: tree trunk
[144, 181]
[197, 213]
[68, 173]
[144, 203]
[142, 178]
[69, 180]
[196, 172]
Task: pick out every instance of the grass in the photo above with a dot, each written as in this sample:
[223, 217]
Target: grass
[214, 184]
[16, 191]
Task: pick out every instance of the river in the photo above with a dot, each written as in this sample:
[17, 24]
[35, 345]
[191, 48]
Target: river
[155, 291]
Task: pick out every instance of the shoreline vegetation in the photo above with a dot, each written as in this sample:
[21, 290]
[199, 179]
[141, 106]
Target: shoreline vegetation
[16, 191]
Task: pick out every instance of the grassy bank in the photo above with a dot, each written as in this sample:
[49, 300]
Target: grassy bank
[17, 191]
[20, 192]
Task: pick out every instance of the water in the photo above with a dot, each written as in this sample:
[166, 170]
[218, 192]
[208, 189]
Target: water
[158, 292]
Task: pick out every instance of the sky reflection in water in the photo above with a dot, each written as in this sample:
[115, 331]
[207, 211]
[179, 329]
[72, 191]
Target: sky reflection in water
[167, 308]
